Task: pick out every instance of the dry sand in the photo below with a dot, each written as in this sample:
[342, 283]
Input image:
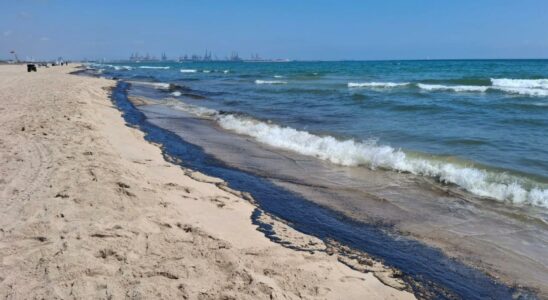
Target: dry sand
[89, 209]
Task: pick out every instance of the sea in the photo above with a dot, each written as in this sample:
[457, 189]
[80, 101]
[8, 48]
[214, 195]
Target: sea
[453, 153]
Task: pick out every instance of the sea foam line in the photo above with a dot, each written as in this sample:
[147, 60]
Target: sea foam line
[456, 88]
[376, 84]
[368, 153]
[520, 83]
[156, 85]
[154, 67]
[495, 185]
[526, 87]
[118, 68]
[270, 82]
[188, 71]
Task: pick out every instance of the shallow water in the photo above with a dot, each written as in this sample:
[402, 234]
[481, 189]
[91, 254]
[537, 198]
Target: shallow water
[504, 241]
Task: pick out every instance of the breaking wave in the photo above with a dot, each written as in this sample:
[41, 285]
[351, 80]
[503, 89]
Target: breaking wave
[154, 67]
[270, 82]
[525, 91]
[118, 68]
[525, 87]
[376, 84]
[485, 183]
[156, 85]
[520, 83]
[456, 88]
[188, 71]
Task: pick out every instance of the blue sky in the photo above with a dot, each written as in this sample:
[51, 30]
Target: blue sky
[319, 29]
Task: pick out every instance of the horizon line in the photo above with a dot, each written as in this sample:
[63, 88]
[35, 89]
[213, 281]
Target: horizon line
[288, 60]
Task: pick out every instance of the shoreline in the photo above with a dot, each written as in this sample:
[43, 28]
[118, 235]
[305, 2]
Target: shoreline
[479, 277]
[474, 226]
[93, 210]
[327, 221]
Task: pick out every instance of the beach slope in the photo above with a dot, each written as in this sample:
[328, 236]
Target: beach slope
[89, 209]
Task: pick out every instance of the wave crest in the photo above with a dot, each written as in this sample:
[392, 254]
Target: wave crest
[270, 82]
[376, 84]
[484, 183]
[156, 85]
[154, 67]
[456, 88]
[520, 83]
[496, 185]
[526, 87]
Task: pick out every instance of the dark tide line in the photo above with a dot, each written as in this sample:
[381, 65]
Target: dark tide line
[427, 270]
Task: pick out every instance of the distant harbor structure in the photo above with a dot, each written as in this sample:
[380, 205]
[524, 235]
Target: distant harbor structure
[136, 57]
[208, 56]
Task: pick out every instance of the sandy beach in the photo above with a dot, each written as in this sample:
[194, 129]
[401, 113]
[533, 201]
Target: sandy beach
[89, 209]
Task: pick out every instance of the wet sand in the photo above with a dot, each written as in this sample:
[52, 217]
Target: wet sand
[89, 209]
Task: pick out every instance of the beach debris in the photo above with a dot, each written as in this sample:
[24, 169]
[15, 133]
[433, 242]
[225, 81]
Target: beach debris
[122, 188]
[61, 195]
[40, 238]
[122, 185]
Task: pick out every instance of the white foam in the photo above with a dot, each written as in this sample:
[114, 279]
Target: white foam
[154, 67]
[118, 68]
[188, 71]
[270, 82]
[278, 76]
[495, 185]
[156, 85]
[198, 111]
[376, 84]
[520, 83]
[525, 91]
[226, 71]
[206, 71]
[176, 94]
[481, 182]
[527, 87]
[455, 88]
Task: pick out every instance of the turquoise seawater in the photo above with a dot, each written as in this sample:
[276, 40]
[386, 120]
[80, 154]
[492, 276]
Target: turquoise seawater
[481, 125]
